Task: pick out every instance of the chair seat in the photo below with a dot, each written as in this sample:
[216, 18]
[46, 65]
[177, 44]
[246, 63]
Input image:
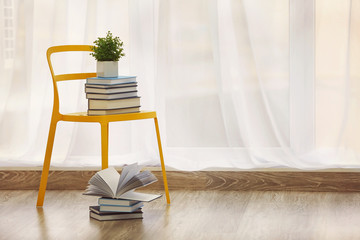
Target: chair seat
[84, 117]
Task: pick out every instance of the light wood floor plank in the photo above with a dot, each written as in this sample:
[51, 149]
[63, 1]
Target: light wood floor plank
[192, 215]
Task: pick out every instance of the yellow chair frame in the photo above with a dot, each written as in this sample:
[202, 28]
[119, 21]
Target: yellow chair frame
[104, 121]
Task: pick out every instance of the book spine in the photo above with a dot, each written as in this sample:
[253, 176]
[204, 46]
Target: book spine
[106, 96]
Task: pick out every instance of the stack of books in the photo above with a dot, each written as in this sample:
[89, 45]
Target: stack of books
[118, 200]
[116, 209]
[112, 95]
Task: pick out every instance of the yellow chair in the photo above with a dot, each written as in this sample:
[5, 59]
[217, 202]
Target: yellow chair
[83, 117]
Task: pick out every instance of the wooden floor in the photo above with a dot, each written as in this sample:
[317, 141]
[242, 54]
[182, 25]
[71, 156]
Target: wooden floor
[192, 215]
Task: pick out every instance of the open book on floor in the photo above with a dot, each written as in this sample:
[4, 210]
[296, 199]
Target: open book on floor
[110, 184]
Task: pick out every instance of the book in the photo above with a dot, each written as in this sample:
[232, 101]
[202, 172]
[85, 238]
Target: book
[120, 85]
[96, 209]
[106, 89]
[109, 183]
[111, 80]
[111, 96]
[113, 103]
[107, 216]
[116, 202]
[113, 111]
[137, 196]
[110, 208]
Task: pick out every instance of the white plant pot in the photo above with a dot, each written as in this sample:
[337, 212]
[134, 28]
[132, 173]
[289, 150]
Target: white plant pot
[107, 69]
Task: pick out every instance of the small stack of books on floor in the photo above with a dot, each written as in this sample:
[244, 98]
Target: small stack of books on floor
[116, 209]
[118, 200]
[112, 95]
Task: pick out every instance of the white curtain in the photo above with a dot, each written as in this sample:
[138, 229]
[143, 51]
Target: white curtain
[338, 82]
[218, 73]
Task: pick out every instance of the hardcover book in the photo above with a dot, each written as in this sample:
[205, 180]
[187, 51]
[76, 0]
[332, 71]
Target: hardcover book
[104, 89]
[120, 85]
[111, 80]
[107, 216]
[111, 208]
[101, 104]
[116, 202]
[113, 111]
[111, 96]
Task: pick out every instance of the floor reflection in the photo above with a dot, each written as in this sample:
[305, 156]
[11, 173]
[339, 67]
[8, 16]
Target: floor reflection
[41, 219]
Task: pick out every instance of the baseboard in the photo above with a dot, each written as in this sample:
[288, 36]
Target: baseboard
[328, 181]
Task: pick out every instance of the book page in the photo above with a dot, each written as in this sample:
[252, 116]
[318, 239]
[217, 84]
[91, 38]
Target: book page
[111, 178]
[139, 180]
[127, 173]
[97, 191]
[98, 187]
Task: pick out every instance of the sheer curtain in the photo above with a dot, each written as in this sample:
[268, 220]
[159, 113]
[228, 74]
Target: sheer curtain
[226, 85]
[337, 82]
[28, 29]
[225, 78]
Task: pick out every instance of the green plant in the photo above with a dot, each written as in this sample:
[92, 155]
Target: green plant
[108, 48]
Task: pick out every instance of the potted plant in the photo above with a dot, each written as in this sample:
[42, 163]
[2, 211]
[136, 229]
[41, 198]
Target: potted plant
[107, 52]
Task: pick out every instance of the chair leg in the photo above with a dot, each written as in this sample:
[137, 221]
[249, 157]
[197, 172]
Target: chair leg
[46, 166]
[162, 161]
[104, 145]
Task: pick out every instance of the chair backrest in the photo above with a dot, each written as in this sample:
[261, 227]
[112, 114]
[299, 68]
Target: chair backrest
[66, 77]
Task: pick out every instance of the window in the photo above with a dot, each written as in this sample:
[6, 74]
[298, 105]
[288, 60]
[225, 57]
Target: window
[8, 33]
